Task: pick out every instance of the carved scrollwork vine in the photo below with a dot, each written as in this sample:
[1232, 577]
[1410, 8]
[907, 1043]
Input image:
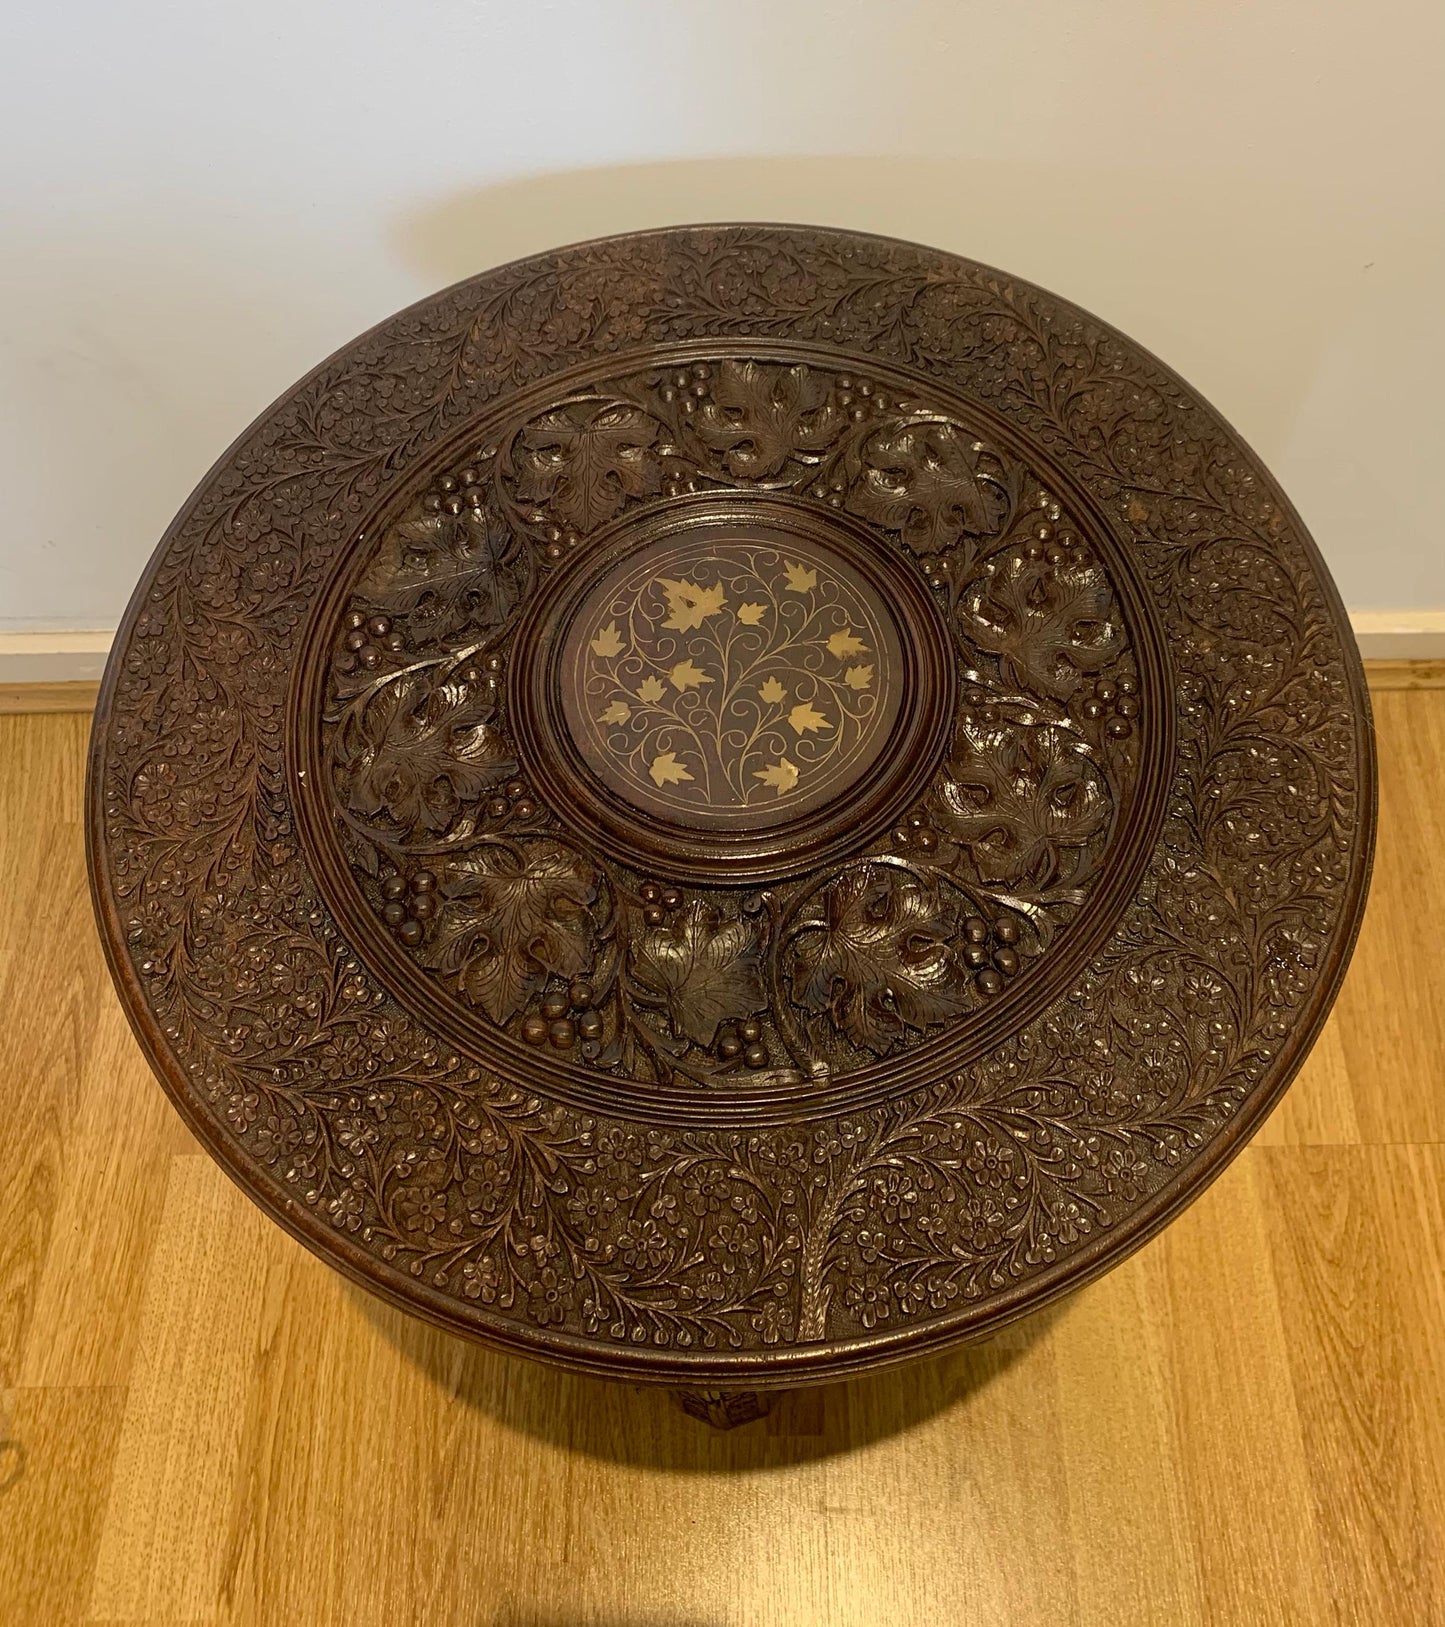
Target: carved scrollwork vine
[479, 442]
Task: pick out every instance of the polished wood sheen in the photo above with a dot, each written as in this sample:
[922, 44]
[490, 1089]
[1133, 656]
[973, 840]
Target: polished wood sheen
[731, 807]
[1243, 1425]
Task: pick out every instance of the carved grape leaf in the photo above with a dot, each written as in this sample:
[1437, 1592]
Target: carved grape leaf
[1020, 798]
[879, 960]
[651, 690]
[919, 480]
[759, 416]
[615, 712]
[586, 460]
[511, 918]
[1050, 624]
[702, 969]
[800, 579]
[689, 605]
[751, 614]
[858, 677]
[419, 750]
[442, 569]
[772, 691]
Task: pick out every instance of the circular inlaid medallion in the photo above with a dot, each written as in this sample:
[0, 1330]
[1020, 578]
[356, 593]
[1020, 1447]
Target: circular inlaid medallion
[731, 682]
[733, 688]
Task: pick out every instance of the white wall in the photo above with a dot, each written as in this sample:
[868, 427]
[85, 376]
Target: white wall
[201, 199]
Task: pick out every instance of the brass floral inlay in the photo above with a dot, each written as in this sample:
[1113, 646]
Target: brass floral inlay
[731, 679]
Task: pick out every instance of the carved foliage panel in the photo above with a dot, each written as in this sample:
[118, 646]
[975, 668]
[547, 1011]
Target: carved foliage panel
[746, 683]
[523, 1216]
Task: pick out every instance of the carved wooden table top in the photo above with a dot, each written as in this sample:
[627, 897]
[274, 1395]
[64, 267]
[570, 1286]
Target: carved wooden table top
[731, 805]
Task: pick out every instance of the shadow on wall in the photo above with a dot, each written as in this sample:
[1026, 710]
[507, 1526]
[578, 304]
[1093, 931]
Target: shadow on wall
[144, 341]
[1172, 258]
[642, 1426]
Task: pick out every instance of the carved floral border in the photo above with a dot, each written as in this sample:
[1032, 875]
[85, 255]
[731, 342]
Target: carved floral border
[642, 1248]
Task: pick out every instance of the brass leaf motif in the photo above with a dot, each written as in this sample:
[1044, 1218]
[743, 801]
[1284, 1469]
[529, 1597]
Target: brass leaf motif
[805, 718]
[781, 775]
[687, 675]
[689, 606]
[666, 770]
[844, 643]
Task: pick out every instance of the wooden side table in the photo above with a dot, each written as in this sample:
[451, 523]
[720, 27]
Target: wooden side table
[731, 806]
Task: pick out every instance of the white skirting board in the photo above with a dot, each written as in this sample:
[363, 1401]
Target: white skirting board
[52, 658]
[1400, 635]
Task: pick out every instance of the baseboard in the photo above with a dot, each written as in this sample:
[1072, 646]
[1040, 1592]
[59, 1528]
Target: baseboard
[59, 672]
[53, 658]
[1400, 635]
[1382, 675]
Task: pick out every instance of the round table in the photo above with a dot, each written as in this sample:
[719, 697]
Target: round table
[731, 806]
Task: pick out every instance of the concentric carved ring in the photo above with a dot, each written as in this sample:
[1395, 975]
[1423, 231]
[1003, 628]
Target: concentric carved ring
[719, 794]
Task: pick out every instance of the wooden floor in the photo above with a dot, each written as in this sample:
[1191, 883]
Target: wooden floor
[200, 1423]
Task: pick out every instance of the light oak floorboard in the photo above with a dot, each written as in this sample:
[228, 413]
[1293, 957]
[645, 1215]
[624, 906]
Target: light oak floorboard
[1244, 1424]
[73, 695]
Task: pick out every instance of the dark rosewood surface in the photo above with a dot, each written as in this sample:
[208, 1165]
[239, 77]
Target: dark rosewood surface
[731, 805]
